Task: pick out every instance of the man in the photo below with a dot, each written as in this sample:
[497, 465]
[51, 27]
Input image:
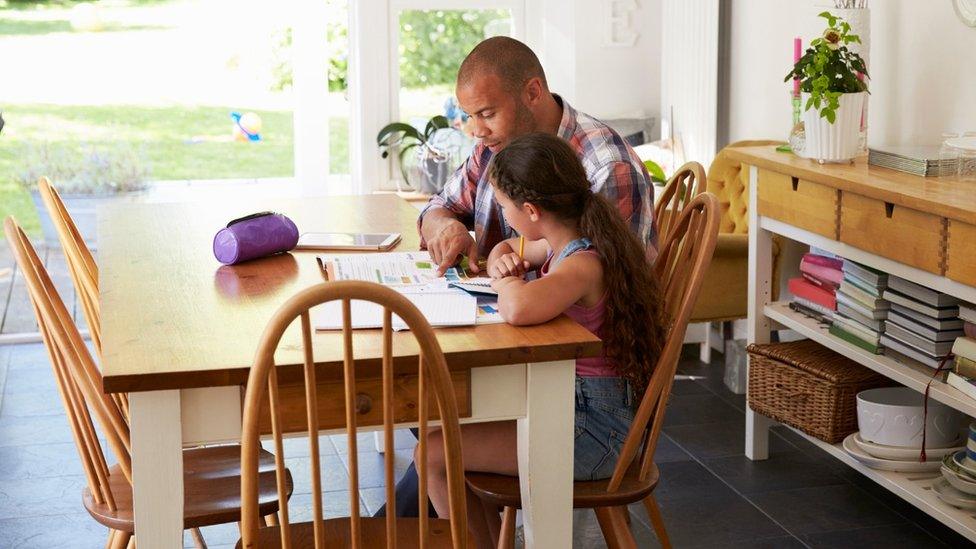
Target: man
[502, 87]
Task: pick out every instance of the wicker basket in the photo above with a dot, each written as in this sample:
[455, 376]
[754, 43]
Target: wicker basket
[806, 385]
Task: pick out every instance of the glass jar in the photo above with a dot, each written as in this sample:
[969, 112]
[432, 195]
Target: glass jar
[948, 156]
[967, 164]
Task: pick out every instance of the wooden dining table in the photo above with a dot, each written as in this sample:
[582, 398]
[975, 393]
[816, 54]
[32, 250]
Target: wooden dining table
[179, 332]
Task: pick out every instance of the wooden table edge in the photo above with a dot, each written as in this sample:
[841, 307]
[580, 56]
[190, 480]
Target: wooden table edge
[367, 367]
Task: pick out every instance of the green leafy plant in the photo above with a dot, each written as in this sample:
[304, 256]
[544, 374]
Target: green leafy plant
[92, 170]
[656, 173]
[829, 69]
[403, 137]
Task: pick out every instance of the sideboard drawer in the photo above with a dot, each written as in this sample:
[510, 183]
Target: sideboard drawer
[799, 202]
[961, 262]
[905, 235]
[369, 404]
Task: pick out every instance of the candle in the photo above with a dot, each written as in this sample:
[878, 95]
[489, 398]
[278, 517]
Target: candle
[797, 53]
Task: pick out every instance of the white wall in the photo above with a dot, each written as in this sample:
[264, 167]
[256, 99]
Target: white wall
[618, 81]
[922, 67]
[604, 81]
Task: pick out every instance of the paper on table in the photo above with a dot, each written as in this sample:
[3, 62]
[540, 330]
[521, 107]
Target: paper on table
[391, 269]
[488, 311]
[441, 308]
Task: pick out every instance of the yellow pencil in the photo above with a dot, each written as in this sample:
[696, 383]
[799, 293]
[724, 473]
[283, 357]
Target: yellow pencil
[521, 247]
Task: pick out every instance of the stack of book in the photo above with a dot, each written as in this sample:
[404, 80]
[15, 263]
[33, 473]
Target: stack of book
[861, 310]
[922, 323]
[814, 290]
[918, 160]
[963, 374]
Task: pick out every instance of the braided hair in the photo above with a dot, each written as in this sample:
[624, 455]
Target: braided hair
[543, 170]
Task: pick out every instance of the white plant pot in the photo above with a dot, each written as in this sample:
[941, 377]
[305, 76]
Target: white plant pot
[837, 142]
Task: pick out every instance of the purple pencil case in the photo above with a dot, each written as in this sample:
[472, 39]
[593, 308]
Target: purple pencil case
[253, 236]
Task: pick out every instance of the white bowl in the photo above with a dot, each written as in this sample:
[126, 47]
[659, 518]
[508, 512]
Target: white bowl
[893, 416]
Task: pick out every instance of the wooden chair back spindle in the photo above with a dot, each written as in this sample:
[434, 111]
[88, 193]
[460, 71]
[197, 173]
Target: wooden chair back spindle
[77, 375]
[686, 183]
[263, 381]
[81, 267]
[681, 266]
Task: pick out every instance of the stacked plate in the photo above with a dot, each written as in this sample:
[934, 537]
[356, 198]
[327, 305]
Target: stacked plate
[901, 459]
[957, 485]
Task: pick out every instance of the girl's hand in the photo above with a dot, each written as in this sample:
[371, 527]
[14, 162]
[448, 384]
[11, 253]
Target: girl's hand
[509, 264]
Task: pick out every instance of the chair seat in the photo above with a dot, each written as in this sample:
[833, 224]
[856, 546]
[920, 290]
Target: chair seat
[503, 491]
[373, 533]
[211, 488]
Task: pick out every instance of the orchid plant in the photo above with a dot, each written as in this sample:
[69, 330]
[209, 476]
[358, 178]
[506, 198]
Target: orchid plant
[829, 69]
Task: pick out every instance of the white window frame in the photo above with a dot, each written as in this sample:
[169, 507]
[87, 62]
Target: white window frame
[374, 79]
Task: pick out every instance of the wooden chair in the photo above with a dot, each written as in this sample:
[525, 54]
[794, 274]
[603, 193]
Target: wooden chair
[81, 267]
[211, 475]
[353, 531]
[680, 266]
[686, 183]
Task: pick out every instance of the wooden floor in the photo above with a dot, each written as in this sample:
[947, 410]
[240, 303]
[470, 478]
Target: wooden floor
[16, 316]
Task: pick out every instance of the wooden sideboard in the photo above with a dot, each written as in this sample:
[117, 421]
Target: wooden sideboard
[920, 229]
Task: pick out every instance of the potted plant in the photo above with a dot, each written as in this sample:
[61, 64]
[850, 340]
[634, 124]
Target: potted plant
[84, 179]
[426, 170]
[833, 87]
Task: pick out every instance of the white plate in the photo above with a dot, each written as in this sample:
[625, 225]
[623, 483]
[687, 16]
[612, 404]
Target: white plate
[952, 496]
[968, 143]
[962, 483]
[888, 464]
[900, 453]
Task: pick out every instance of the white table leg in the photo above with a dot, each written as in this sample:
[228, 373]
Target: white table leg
[760, 294]
[157, 468]
[545, 454]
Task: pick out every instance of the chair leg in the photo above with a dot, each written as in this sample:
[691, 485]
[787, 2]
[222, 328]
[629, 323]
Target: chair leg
[614, 527]
[198, 540]
[121, 540]
[111, 539]
[506, 539]
[657, 521]
[271, 520]
[705, 347]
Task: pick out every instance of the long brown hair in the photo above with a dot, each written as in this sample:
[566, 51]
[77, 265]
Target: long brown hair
[542, 169]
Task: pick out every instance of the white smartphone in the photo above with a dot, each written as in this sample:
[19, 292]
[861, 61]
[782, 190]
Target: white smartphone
[348, 241]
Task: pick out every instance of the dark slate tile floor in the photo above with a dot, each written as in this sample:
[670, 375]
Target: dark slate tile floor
[710, 494]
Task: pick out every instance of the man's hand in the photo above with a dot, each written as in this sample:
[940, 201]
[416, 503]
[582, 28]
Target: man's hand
[450, 242]
[509, 264]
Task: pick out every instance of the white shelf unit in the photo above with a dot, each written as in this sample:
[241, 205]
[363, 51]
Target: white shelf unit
[905, 371]
[915, 488]
[925, 278]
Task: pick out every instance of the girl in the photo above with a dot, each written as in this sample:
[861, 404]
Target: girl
[593, 269]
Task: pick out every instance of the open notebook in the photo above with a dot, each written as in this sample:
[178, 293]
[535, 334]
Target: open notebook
[447, 308]
[414, 275]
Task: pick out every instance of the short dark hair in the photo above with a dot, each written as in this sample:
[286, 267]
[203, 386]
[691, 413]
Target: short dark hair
[512, 61]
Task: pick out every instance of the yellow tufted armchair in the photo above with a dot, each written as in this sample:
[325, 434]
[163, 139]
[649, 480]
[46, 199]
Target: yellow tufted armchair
[724, 291]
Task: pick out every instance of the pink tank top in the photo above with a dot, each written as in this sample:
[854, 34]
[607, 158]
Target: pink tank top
[590, 318]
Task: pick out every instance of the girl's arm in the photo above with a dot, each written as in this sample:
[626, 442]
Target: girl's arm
[522, 303]
[503, 260]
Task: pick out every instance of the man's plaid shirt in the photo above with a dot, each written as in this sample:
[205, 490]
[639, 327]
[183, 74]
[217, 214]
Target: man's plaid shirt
[612, 167]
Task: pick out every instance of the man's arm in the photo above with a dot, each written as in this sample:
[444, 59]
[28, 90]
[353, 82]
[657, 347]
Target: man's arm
[443, 223]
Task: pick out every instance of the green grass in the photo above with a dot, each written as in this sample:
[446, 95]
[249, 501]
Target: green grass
[165, 135]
